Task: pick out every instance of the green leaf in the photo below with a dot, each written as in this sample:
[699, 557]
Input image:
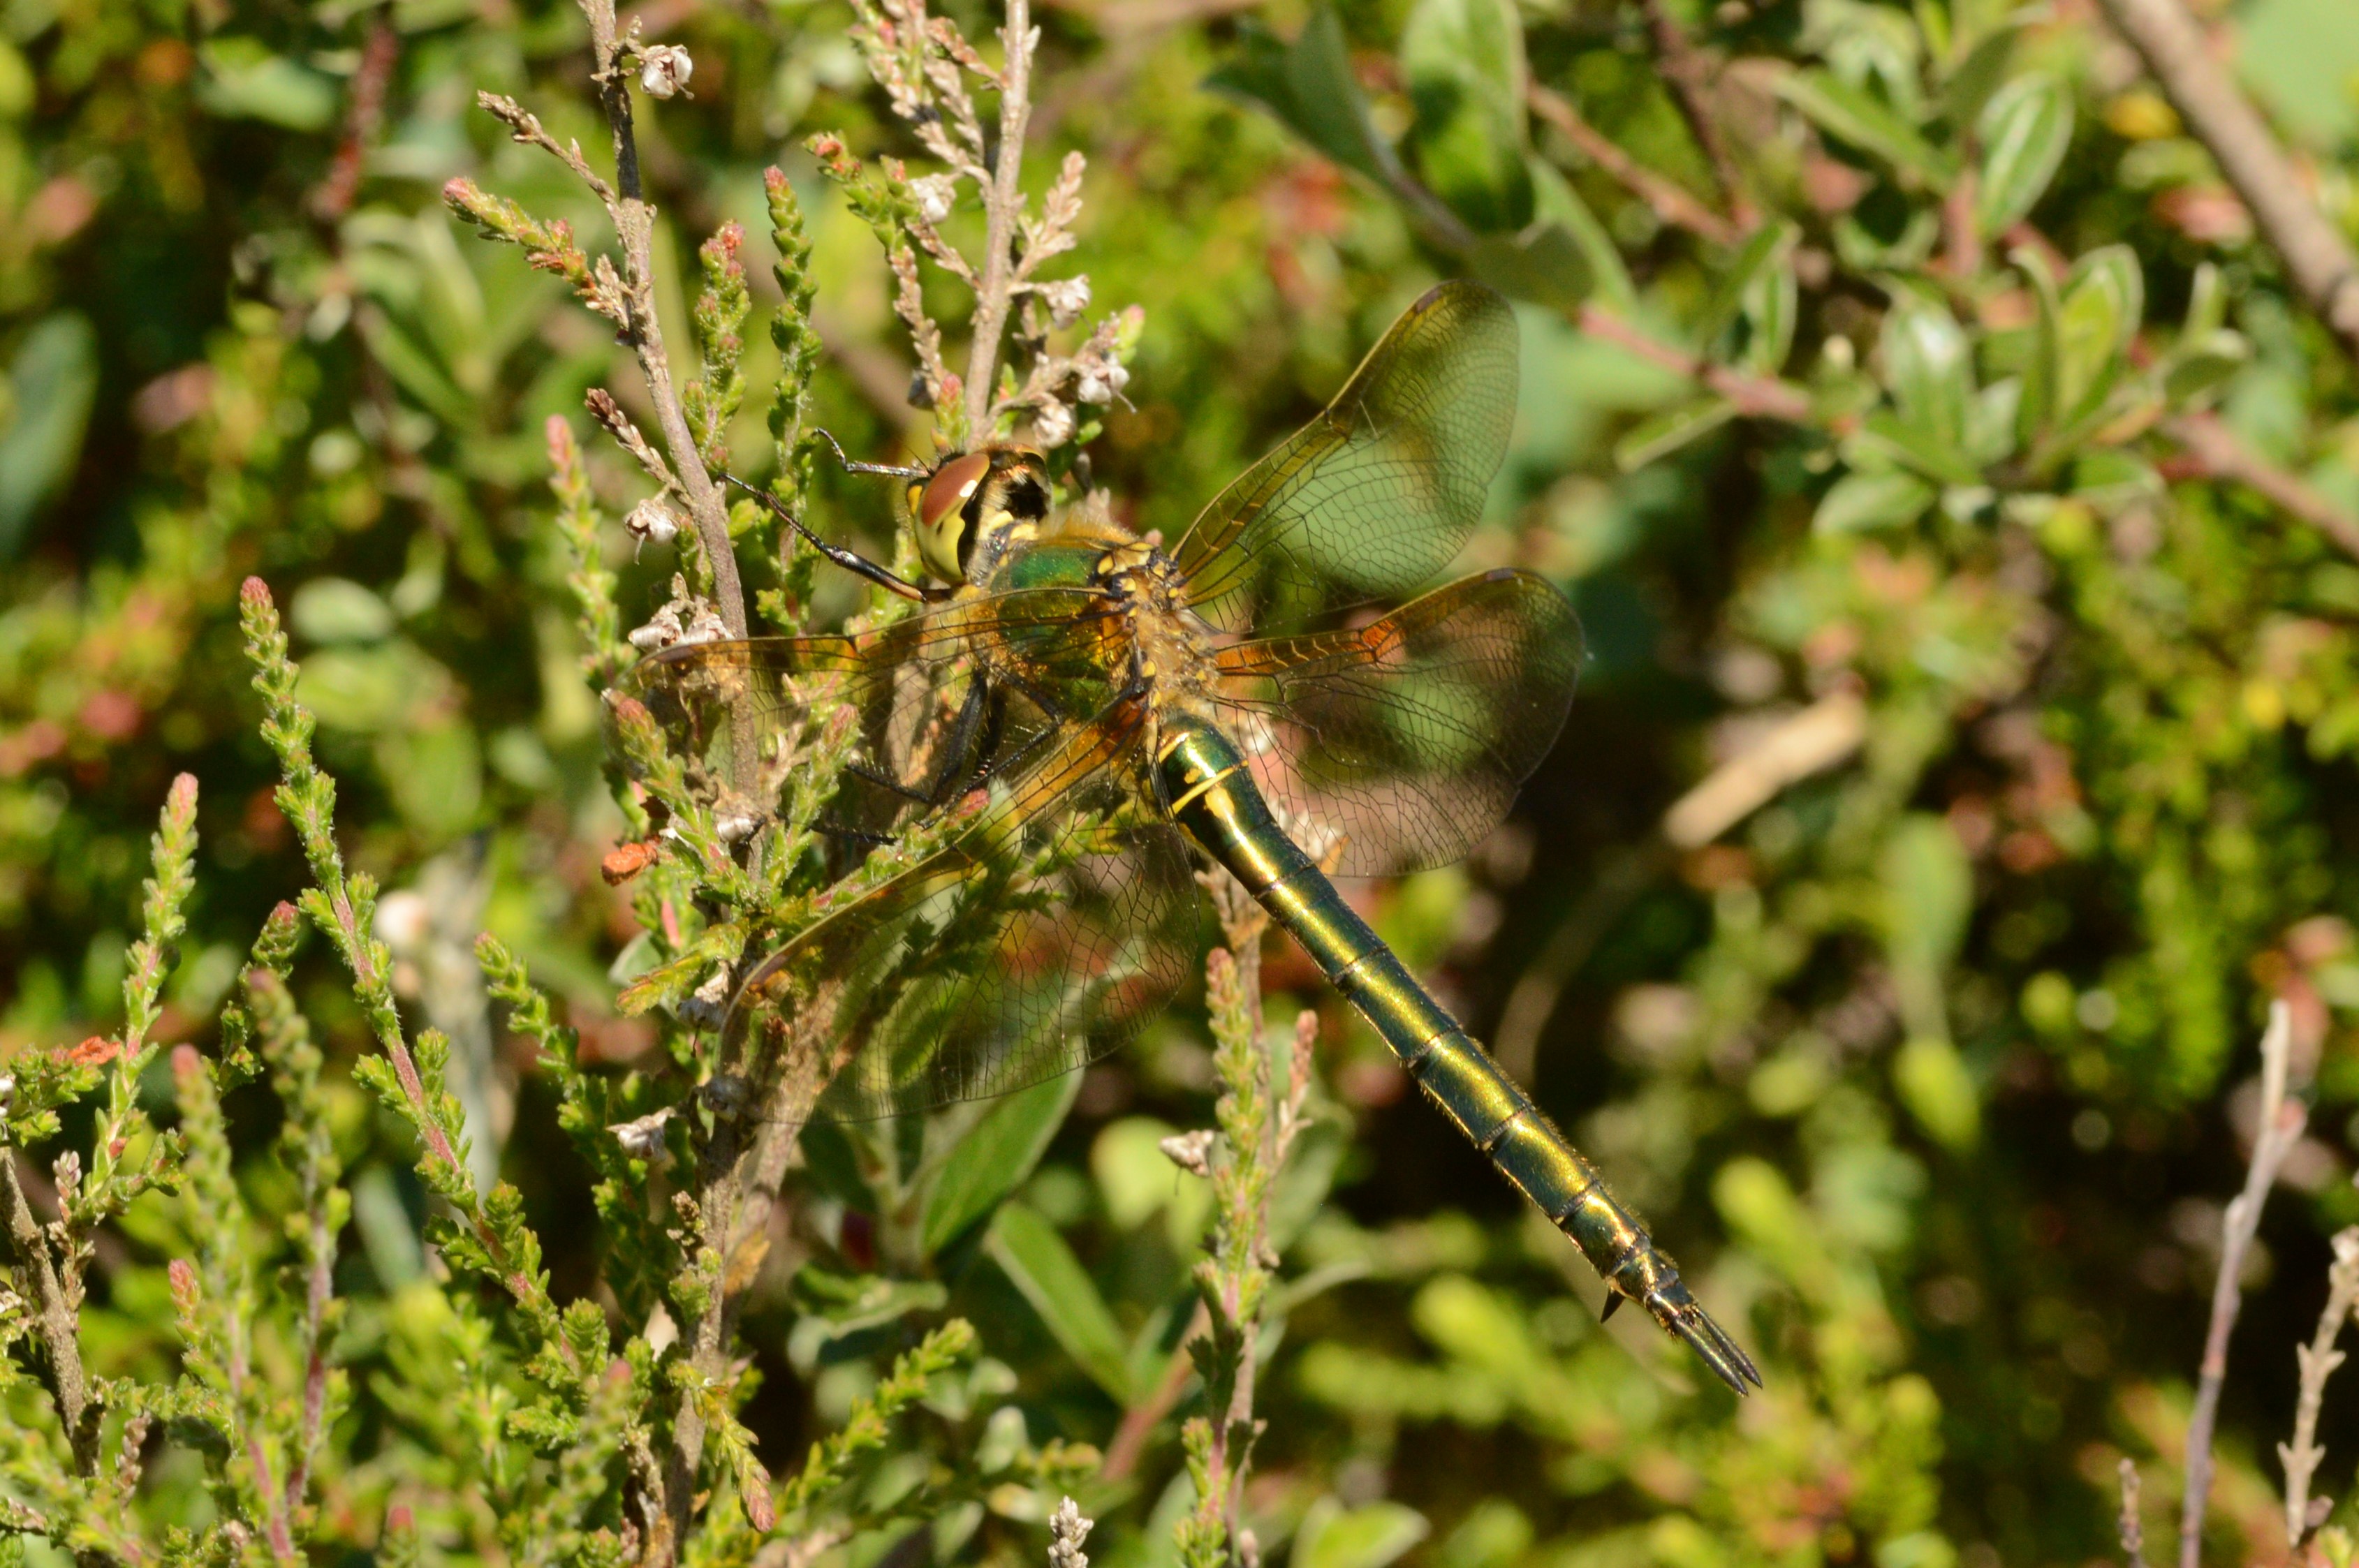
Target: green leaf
[2025, 130]
[1928, 888]
[1463, 63]
[1854, 114]
[993, 1160]
[1860, 502]
[1035, 1258]
[1928, 365]
[2207, 303]
[1979, 74]
[1883, 440]
[2040, 370]
[1308, 86]
[49, 386]
[831, 1306]
[1991, 422]
[1933, 1082]
[1332, 1535]
[2103, 302]
[2109, 477]
[1135, 1180]
[1665, 433]
[1759, 254]
[338, 610]
[1773, 303]
[243, 80]
[1544, 265]
[2204, 365]
[1556, 203]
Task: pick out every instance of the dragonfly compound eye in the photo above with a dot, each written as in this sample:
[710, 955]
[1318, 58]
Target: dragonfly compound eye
[942, 517]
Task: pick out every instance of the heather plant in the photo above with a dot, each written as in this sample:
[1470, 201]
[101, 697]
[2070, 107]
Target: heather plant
[1941, 415]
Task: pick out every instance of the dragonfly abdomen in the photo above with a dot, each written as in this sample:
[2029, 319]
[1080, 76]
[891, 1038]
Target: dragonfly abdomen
[1214, 797]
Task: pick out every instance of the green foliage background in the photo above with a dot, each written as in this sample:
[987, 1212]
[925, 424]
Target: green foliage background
[1927, 1069]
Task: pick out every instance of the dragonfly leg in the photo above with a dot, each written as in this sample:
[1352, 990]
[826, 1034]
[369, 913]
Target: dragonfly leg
[994, 766]
[936, 791]
[850, 560]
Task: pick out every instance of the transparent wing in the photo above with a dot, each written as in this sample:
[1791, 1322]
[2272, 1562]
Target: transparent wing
[1041, 931]
[920, 729]
[1372, 498]
[1409, 736]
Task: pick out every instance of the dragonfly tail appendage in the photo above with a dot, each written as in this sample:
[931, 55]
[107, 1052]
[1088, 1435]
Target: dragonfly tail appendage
[1216, 801]
[1529, 1151]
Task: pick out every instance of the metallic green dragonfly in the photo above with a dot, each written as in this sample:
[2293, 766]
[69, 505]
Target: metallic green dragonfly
[1035, 749]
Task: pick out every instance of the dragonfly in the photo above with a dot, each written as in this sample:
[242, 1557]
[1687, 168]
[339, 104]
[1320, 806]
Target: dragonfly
[1071, 717]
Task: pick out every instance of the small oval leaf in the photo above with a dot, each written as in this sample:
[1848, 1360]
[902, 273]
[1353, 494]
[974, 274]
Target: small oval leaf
[1666, 432]
[2026, 129]
[1862, 502]
[1035, 1258]
[1928, 364]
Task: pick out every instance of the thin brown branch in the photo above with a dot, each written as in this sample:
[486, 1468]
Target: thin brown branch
[2215, 452]
[335, 196]
[1762, 398]
[36, 1266]
[319, 1290]
[2279, 1130]
[1668, 199]
[1139, 1421]
[634, 228]
[1003, 214]
[2322, 267]
[2132, 1530]
[1962, 236]
[1690, 79]
[2318, 1360]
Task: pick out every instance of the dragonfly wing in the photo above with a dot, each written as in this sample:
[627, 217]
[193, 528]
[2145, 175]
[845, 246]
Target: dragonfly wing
[1046, 927]
[904, 689]
[1372, 498]
[1409, 736]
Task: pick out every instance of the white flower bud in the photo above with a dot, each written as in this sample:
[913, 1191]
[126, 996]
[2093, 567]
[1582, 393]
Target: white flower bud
[1067, 298]
[664, 71]
[704, 626]
[1191, 1152]
[645, 1135]
[1100, 381]
[936, 193]
[661, 631]
[652, 522]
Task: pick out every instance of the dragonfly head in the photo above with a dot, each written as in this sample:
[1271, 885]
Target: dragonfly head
[969, 507]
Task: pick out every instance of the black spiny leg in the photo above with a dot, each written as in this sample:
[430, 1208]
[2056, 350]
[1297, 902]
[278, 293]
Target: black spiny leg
[850, 560]
[933, 792]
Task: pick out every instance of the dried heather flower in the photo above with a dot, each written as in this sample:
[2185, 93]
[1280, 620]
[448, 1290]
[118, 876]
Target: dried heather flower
[652, 521]
[1052, 424]
[1066, 298]
[664, 71]
[936, 194]
[1099, 380]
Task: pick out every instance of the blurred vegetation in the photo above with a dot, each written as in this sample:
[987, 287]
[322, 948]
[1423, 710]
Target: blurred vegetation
[1942, 469]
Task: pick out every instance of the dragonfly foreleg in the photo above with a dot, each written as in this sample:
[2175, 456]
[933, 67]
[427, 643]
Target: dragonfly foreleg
[850, 560]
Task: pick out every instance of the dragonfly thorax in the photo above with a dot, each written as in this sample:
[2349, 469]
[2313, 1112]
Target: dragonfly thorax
[1171, 648]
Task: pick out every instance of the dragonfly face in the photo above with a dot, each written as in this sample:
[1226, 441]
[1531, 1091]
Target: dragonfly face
[1045, 752]
[968, 511]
